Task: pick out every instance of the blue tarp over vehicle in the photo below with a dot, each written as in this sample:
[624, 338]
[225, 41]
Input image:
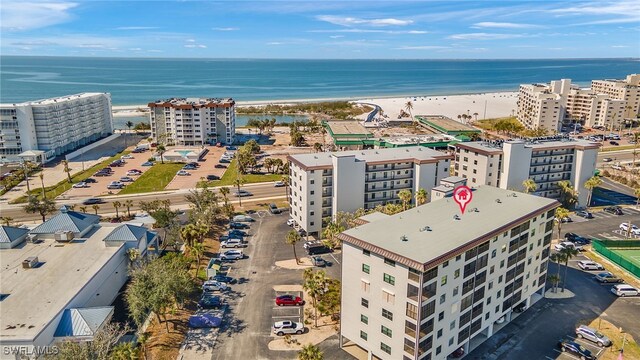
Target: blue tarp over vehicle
[204, 320]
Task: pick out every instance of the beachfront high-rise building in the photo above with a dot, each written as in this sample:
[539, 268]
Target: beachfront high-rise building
[55, 126]
[193, 121]
[627, 90]
[323, 184]
[428, 281]
[589, 109]
[541, 106]
[547, 161]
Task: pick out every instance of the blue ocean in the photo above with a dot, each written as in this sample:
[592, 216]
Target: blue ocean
[133, 81]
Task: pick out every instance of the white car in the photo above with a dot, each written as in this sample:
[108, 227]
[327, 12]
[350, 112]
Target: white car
[287, 327]
[133, 173]
[126, 156]
[126, 179]
[232, 243]
[278, 184]
[634, 229]
[79, 185]
[212, 285]
[291, 222]
[589, 265]
[625, 290]
[232, 255]
[183, 173]
[567, 244]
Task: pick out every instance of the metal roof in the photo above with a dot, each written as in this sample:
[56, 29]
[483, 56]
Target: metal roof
[10, 233]
[67, 221]
[82, 321]
[127, 232]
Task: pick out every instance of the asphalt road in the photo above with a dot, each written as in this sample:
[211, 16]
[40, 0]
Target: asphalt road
[617, 155]
[248, 330]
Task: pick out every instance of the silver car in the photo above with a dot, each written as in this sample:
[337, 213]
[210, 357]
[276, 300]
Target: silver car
[587, 333]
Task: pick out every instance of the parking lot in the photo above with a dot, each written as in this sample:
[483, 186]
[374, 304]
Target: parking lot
[557, 354]
[603, 225]
[207, 167]
[291, 313]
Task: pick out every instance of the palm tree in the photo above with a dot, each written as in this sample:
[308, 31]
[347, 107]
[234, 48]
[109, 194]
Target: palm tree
[83, 209]
[161, 150]
[128, 204]
[567, 254]
[292, 238]
[561, 214]
[197, 249]
[67, 169]
[314, 283]
[405, 196]
[285, 180]
[238, 182]
[117, 205]
[421, 196]
[225, 193]
[317, 147]
[409, 107]
[557, 258]
[636, 192]
[129, 125]
[41, 176]
[591, 184]
[310, 352]
[568, 195]
[6, 220]
[555, 280]
[529, 186]
[95, 208]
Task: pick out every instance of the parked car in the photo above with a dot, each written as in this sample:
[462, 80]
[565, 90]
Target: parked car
[213, 177]
[273, 208]
[90, 180]
[147, 163]
[193, 163]
[566, 219]
[585, 214]
[607, 159]
[80, 185]
[134, 172]
[317, 250]
[224, 160]
[223, 278]
[284, 300]
[232, 243]
[213, 285]
[616, 210]
[238, 225]
[231, 148]
[577, 239]
[236, 233]
[587, 333]
[232, 255]
[92, 201]
[291, 222]
[567, 244]
[634, 229]
[625, 290]
[242, 193]
[115, 186]
[589, 265]
[243, 218]
[205, 320]
[128, 156]
[101, 173]
[607, 277]
[183, 173]
[318, 261]
[615, 143]
[126, 179]
[278, 184]
[189, 167]
[576, 349]
[220, 166]
[208, 301]
[287, 327]
[312, 243]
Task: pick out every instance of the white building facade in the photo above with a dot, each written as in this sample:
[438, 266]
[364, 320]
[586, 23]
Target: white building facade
[591, 110]
[540, 107]
[428, 281]
[193, 121]
[55, 126]
[323, 184]
[627, 90]
[546, 161]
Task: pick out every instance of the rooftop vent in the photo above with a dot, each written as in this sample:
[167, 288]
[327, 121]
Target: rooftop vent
[30, 262]
[514, 195]
[499, 201]
[456, 217]
[473, 210]
[63, 236]
[426, 228]
[404, 238]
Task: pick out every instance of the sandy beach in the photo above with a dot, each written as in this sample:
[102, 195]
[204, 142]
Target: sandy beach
[487, 105]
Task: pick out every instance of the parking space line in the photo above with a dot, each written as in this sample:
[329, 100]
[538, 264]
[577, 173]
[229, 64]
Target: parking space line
[285, 316]
[334, 258]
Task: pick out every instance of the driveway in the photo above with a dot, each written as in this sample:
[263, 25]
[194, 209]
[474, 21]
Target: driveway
[207, 167]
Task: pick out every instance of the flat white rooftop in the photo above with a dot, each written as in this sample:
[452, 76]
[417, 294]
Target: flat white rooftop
[33, 297]
[55, 100]
[532, 143]
[405, 153]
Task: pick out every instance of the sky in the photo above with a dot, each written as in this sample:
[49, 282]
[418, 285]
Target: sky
[322, 29]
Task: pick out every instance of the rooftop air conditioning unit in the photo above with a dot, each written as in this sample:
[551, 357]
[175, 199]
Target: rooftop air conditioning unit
[30, 262]
[63, 236]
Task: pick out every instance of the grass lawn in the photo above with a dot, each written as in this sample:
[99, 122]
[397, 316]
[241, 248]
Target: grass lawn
[230, 176]
[154, 179]
[488, 124]
[631, 348]
[54, 191]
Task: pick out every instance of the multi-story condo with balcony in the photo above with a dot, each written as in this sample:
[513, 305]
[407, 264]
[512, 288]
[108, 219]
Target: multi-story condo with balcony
[55, 126]
[547, 161]
[627, 90]
[589, 109]
[193, 121]
[426, 282]
[323, 184]
[542, 106]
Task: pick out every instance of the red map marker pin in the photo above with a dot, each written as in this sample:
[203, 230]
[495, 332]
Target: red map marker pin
[462, 195]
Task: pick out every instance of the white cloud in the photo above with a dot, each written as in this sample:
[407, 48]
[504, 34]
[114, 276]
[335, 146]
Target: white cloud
[18, 15]
[351, 21]
[275, 43]
[484, 36]
[502, 25]
[225, 29]
[371, 31]
[30, 43]
[155, 51]
[92, 46]
[624, 8]
[619, 46]
[336, 36]
[190, 40]
[136, 28]
[422, 47]
[135, 49]
[202, 46]
[189, 45]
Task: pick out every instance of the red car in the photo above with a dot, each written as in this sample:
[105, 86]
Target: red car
[289, 300]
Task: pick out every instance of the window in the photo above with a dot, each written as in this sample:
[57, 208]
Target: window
[490, 285]
[456, 274]
[445, 264]
[365, 268]
[492, 269]
[389, 279]
[489, 300]
[455, 291]
[443, 298]
[389, 262]
[364, 319]
[441, 316]
[363, 335]
[409, 346]
[450, 341]
[365, 286]
[443, 280]
[438, 350]
[504, 247]
[410, 328]
[494, 253]
[366, 252]
[387, 314]
[386, 348]
[364, 302]
[439, 334]
[412, 311]
[385, 330]
[388, 297]
[452, 325]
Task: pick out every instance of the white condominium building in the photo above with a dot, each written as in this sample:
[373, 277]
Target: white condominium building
[425, 282]
[627, 90]
[547, 160]
[323, 184]
[193, 121]
[55, 126]
[542, 106]
[590, 109]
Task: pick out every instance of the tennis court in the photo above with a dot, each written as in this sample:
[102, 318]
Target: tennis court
[625, 253]
[631, 255]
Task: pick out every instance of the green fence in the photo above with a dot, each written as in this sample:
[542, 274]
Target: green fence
[607, 248]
